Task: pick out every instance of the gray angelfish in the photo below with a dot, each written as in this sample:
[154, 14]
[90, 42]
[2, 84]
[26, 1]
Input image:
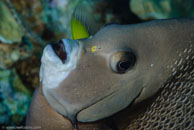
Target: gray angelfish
[93, 78]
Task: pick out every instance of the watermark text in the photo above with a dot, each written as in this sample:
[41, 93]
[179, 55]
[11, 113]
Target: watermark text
[21, 127]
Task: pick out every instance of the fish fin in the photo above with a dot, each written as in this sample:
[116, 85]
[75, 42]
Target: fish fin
[82, 26]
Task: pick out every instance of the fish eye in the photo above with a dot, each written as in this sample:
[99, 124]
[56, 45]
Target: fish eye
[122, 61]
[123, 65]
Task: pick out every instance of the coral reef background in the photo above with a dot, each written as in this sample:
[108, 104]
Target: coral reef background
[26, 26]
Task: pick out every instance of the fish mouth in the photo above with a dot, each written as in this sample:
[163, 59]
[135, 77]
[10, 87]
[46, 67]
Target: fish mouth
[64, 48]
[60, 50]
[58, 57]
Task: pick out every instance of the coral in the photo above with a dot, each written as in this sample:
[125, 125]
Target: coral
[12, 53]
[14, 97]
[10, 30]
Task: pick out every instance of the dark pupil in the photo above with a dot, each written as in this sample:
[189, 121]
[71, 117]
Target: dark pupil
[124, 65]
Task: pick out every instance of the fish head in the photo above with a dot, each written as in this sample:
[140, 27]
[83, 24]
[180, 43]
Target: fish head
[105, 73]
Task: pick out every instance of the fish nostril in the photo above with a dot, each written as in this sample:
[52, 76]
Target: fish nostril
[59, 49]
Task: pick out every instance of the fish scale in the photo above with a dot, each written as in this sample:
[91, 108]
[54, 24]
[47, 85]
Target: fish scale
[174, 106]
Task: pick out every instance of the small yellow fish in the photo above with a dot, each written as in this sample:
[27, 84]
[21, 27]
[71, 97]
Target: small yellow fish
[82, 24]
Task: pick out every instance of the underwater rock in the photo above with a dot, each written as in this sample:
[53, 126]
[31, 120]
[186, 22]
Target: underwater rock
[10, 30]
[162, 9]
[14, 97]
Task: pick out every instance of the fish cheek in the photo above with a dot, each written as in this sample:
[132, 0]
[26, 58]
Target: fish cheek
[112, 104]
